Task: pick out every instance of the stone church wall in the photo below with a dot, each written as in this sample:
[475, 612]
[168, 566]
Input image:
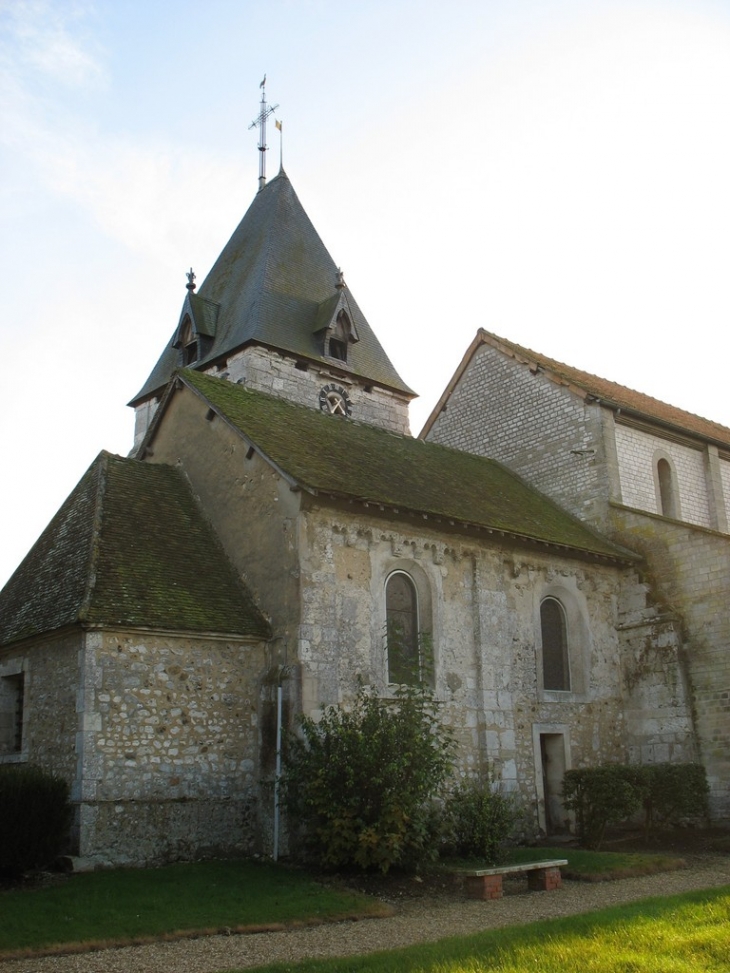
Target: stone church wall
[168, 751]
[484, 616]
[278, 375]
[544, 432]
[251, 507]
[724, 465]
[49, 669]
[275, 374]
[688, 569]
[637, 452]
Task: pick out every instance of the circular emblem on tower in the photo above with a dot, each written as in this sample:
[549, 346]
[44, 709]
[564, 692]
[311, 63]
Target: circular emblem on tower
[335, 400]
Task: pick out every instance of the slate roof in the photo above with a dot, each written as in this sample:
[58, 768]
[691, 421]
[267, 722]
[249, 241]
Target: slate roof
[609, 393]
[128, 547]
[341, 458]
[269, 285]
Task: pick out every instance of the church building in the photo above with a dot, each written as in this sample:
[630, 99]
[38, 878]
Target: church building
[537, 548]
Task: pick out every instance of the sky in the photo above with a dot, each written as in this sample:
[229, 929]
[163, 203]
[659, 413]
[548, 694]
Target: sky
[555, 172]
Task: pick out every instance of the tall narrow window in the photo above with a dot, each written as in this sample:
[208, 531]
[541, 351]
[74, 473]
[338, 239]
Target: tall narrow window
[667, 490]
[401, 608]
[555, 667]
[11, 713]
[340, 337]
[189, 344]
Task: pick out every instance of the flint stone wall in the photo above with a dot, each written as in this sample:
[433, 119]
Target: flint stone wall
[168, 746]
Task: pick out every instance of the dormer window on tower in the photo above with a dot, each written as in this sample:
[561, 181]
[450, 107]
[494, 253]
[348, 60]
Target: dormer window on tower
[340, 337]
[189, 343]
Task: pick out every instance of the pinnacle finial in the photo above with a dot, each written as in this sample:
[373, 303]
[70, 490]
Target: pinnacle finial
[260, 123]
[191, 280]
[340, 284]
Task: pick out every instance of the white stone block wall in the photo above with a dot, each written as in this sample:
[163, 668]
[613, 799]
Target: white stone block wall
[636, 457]
[725, 480]
[543, 431]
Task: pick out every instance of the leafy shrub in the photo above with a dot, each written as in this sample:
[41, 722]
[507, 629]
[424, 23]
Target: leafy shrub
[359, 784]
[34, 818]
[667, 793]
[599, 796]
[478, 821]
[673, 793]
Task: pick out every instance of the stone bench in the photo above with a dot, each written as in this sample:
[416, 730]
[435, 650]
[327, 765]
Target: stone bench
[486, 883]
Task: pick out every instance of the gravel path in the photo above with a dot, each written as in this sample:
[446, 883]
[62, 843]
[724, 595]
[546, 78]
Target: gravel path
[416, 920]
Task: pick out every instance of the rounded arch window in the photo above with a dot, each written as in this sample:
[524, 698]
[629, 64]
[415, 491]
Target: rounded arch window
[406, 661]
[668, 506]
[555, 661]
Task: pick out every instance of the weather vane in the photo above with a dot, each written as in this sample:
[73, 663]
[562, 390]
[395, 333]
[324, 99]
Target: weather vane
[260, 123]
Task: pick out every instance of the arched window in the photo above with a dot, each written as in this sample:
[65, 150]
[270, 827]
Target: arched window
[555, 664]
[401, 608]
[668, 506]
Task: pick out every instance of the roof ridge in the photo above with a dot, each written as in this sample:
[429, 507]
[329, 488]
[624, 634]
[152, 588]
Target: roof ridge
[90, 585]
[584, 379]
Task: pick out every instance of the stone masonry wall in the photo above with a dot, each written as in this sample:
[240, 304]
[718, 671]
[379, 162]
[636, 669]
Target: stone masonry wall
[268, 371]
[50, 671]
[688, 569]
[168, 755]
[278, 375]
[541, 430]
[636, 451]
[251, 507]
[658, 707]
[725, 480]
[483, 614]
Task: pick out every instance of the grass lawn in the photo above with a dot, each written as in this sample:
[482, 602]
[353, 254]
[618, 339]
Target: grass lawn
[137, 905]
[599, 866]
[682, 934]
[129, 905]
[587, 866]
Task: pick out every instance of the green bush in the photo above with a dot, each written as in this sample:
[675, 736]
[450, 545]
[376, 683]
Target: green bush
[599, 796]
[359, 784]
[673, 794]
[668, 794]
[34, 818]
[478, 821]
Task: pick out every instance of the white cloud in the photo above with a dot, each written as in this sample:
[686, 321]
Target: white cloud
[44, 40]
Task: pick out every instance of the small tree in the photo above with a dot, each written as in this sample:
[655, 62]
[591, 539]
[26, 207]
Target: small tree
[360, 784]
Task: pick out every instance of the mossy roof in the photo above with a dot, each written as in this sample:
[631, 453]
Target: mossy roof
[269, 284]
[339, 457]
[129, 547]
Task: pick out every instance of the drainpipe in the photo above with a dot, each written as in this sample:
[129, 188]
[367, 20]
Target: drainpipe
[277, 776]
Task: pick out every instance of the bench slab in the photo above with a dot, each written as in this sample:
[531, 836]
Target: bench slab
[486, 883]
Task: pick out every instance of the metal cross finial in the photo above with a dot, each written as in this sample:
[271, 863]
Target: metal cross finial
[260, 123]
[191, 280]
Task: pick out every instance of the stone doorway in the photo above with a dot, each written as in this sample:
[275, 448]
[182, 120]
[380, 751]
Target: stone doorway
[553, 763]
